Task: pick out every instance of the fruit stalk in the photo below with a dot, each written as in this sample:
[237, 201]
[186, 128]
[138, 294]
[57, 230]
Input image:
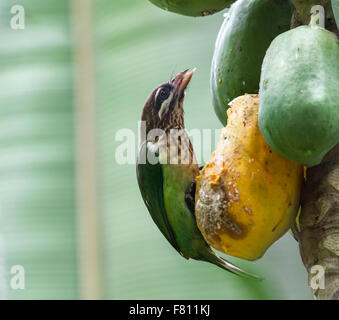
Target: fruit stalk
[318, 229]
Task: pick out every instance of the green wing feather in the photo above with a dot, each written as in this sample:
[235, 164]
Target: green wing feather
[150, 179]
[150, 182]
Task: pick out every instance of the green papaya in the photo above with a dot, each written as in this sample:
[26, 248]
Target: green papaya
[194, 8]
[299, 94]
[245, 35]
[335, 7]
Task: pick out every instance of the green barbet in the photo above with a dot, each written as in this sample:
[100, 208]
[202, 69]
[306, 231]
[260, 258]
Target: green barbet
[166, 168]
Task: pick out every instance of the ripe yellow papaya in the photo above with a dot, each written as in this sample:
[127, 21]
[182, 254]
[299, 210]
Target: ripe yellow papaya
[247, 196]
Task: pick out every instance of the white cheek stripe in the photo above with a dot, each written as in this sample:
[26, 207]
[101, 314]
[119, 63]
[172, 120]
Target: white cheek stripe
[165, 105]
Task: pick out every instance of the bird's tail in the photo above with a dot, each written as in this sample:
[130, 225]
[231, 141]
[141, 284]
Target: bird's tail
[212, 257]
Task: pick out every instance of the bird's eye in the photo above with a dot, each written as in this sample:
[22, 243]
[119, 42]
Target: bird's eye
[164, 93]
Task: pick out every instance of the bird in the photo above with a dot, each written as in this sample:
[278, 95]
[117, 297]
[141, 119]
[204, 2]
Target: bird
[166, 171]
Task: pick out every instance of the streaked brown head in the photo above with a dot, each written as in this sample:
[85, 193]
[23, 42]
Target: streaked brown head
[164, 107]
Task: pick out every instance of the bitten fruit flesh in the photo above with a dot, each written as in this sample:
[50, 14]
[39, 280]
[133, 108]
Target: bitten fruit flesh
[247, 196]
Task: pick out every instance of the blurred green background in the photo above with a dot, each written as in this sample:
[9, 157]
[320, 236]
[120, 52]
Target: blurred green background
[45, 226]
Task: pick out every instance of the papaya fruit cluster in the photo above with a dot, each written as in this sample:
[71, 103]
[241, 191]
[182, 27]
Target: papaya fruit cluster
[296, 72]
[277, 92]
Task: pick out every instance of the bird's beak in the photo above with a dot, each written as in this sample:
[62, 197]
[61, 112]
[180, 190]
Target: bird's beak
[181, 81]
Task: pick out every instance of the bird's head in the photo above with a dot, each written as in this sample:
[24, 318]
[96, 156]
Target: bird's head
[164, 107]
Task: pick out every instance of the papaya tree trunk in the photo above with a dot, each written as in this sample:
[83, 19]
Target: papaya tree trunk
[318, 227]
[318, 230]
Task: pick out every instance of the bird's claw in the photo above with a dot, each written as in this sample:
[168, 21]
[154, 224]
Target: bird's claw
[190, 197]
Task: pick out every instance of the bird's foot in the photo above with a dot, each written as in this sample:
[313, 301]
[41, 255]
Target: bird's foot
[190, 197]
